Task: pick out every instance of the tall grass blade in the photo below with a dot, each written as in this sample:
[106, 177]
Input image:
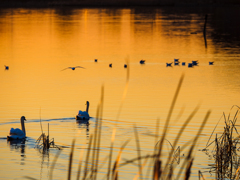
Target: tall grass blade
[53, 164]
[170, 114]
[157, 163]
[200, 175]
[27, 177]
[40, 120]
[179, 135]
[213, 131]
[125, 89]
[70, 160]
[138, 151]
[80, 164]
[116, 164]
[99, 131]
[188, 171]
[95, 141]
[110, 154]
[87, 157]
[189, 156]
[137, 175]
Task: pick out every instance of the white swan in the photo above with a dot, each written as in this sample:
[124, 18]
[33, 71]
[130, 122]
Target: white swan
[83, 115]
[18, 133]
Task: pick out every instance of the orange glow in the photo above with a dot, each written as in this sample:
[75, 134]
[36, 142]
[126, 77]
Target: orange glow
[38, 44]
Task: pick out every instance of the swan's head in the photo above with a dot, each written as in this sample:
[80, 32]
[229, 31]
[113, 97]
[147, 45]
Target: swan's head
[23, 118]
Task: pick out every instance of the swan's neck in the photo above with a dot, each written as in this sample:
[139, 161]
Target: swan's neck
[23, 126]
[87, 107]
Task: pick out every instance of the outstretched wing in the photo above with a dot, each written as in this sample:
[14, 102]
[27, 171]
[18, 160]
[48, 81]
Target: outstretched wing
[67, 68]
[80, 67]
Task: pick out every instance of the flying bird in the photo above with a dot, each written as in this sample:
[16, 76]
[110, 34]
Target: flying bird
[73, 68]
[6, 67]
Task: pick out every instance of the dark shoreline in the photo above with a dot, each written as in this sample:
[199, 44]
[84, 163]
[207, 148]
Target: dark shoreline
[111, 4]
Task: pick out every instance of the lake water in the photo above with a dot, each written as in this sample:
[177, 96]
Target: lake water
[37, 44]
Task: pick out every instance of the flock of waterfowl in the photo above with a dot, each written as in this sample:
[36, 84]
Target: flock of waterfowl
[20, 134]
[193, 63]
[176, 63]
[82, 115]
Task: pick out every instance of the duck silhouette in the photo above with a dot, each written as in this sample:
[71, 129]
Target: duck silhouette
[169, 64]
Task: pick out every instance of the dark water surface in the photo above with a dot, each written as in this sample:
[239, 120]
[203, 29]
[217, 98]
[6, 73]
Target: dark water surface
[37, 44]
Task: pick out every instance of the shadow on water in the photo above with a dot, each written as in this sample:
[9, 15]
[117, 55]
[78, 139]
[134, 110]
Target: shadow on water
[18, 144]
[84, 125]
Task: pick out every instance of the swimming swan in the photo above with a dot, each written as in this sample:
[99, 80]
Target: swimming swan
[83, 115]
[18, 133]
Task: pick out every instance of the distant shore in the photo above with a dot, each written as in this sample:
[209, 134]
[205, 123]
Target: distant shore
[113, 3]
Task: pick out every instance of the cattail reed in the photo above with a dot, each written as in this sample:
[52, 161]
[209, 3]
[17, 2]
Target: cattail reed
[226, 149]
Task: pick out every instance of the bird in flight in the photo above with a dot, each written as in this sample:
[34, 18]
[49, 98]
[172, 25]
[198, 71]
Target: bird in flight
[73, 68]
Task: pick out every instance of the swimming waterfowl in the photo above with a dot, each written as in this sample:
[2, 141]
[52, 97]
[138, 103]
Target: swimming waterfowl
[190, 65]
[83, 115]
[195, 63]
[18, 133]
[142, 62]
[168, 64]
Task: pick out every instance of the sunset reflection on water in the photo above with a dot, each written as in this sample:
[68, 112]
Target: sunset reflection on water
[37, 44]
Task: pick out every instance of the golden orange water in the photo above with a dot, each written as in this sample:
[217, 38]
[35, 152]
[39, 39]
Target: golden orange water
[37, 44]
